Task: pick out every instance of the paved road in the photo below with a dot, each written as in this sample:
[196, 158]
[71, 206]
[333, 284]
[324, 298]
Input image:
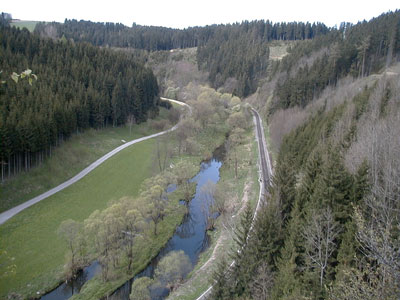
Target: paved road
[13, 211]
[265, 177]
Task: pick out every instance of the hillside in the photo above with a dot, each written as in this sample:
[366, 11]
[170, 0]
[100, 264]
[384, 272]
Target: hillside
[79, 86]
[330, 224]
[329, 229]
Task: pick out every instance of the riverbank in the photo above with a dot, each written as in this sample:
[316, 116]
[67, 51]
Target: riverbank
[30, 238]
[96, 288]
[241, 191]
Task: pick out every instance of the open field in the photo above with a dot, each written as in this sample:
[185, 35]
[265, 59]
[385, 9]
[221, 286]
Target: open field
[69, 159]
[144, 251]
[278, 49]
[30, 237]
[30, 25]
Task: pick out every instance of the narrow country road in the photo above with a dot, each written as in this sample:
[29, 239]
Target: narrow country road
[265, 170]
[4, 216]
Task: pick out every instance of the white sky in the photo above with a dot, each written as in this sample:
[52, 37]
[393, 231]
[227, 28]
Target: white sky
[181, 13]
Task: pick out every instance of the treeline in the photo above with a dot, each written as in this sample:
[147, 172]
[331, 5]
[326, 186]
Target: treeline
[330, 226]
[357, 51]
[151, 38]
[78, 86]
[154, 38]
[234, 61]
[236, 56]
[329, 229]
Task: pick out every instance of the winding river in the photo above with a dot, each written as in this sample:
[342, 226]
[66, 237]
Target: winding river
[190, 237]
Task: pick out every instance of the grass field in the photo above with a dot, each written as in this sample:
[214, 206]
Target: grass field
[66, 161]
[144, 251]
[30, 25]
[30, 237]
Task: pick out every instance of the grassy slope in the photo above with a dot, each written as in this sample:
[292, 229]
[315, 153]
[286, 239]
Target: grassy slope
[278, 49]
[95, 288]
[30, 237]
[74, 155]
[30, 25]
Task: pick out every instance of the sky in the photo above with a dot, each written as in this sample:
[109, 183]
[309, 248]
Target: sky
[183, 14]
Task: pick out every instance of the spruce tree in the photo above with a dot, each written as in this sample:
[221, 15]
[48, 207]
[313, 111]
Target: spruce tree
[221, 284]
[242, 269]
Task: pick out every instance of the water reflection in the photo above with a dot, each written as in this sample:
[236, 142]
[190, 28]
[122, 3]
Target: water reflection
[190, 237]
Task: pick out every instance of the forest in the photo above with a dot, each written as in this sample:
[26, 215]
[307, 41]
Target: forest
[80, 86]
[222, 49]
[356, 50]
[330, 226]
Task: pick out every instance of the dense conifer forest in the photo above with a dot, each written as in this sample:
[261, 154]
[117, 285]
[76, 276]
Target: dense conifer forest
[329, 229]
[223, 50]
[356, 50]
[79, 86]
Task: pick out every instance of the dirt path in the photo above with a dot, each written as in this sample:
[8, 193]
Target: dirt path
[4, 216]
[224, 235]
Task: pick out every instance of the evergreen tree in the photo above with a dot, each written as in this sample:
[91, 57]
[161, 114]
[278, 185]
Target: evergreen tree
[221, 282]
[242, 270]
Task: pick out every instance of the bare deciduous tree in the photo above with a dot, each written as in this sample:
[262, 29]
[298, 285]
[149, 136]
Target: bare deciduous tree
[207, 206]
[70, 231]
[284, 121]
[163, 151]
[320, 233]
[184, 171]
[262, 283]
[141, 289]
[358, 284]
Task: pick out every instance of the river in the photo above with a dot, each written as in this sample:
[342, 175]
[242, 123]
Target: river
[189, 237]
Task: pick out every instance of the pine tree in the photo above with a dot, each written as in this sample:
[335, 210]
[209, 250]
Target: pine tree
[243, 267]
[361, 183]
[333, 187]
[308, 181]
[221, 282]
[287, 283]
[267, 236]
[284, 184]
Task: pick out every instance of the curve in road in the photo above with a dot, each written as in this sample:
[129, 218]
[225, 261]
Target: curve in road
[4, 216]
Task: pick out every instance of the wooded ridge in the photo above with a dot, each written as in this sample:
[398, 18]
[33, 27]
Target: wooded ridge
[79, 86]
